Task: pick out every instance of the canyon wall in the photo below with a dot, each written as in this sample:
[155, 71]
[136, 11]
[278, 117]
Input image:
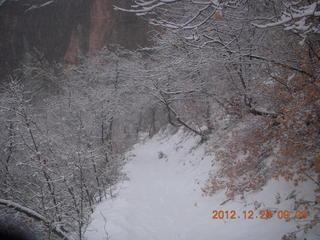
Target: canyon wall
[63, 30]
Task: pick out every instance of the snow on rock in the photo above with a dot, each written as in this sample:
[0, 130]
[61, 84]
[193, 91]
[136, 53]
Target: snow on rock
[162, 199]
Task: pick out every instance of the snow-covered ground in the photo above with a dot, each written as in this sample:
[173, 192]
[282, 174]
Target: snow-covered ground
[162, 200]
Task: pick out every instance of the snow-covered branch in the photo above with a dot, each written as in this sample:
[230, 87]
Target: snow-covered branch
[299, 19]
[36, 216]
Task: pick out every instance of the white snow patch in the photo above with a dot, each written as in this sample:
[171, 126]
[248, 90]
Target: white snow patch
[162, 200]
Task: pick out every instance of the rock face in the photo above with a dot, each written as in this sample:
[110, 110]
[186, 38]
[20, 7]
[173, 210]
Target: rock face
[102, 22]
[62, 30]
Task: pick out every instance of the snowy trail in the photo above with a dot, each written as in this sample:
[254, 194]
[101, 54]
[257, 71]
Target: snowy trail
[162, 199]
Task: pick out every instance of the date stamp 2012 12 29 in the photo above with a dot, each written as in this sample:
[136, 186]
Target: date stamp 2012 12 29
[262, 214]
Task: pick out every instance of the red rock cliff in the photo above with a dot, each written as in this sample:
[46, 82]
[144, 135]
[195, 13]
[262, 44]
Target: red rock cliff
[65, 29]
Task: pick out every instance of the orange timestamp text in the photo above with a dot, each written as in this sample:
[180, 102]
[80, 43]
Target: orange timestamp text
[262, 214]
